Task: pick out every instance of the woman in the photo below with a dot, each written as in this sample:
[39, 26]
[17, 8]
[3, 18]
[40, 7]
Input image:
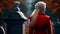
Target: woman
[40, 23]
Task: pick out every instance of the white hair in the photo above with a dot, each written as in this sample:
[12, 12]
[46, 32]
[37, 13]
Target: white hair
[36, 11]
[40, 3]
[17, 2]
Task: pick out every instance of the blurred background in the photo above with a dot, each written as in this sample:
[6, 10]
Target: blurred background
[27, 7]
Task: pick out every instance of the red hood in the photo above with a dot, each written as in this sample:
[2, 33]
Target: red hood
[41, 12]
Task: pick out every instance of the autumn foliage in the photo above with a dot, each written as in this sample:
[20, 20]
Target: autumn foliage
[54, 5]
[7, 4]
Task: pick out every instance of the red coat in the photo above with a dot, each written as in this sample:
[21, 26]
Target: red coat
[42, 25]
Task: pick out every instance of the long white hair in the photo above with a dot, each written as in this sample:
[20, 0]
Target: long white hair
[40, 3]
[36, 11]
